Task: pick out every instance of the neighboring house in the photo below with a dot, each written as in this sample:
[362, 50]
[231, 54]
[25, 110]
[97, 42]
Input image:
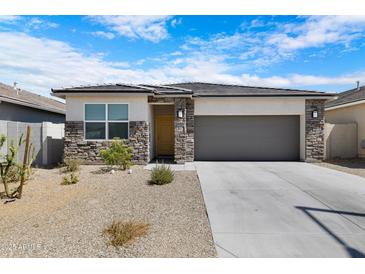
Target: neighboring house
[23, 106]
[349, 107]
[19, 109]
[195, 121]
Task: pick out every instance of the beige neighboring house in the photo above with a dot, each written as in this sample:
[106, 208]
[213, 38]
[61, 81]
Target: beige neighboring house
[349, 108]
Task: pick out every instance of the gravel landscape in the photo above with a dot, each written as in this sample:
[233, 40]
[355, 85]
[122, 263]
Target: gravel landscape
[54, 220]
[352, 166]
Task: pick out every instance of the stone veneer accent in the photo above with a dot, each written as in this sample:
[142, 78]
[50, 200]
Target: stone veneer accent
[314, 130]
[184, 127]
[88, 151]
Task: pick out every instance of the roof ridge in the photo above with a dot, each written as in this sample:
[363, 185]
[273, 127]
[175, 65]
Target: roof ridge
[352, 91]
[104, 85]
[245, 86]
[168, 87]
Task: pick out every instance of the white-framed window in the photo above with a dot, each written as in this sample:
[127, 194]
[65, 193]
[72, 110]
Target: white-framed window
[106, 121]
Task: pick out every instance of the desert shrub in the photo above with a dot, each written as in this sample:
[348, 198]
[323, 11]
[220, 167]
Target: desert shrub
[71, 165]
[124, 233]
[162, 175]
[118, 154]
[70, 180]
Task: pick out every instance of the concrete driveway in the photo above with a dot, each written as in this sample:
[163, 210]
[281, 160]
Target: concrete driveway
[283, 209]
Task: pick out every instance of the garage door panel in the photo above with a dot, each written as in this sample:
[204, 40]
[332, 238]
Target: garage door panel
[246, 138]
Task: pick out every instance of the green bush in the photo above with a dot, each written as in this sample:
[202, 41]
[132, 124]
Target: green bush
[74, 179]
[72, 165]
[118, 154]
[162, 175]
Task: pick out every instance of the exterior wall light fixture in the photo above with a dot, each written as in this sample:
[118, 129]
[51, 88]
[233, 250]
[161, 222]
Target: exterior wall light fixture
[315, 113]
[180, 113]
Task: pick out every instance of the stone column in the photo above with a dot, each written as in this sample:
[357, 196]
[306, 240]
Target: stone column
[184, 131]
[180, 131]
[189, 153]
[314, 130]
[139, 140]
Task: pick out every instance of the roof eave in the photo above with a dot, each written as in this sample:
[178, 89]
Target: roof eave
[180, 95]
[348, 104]
[22, 103]
[322, 96]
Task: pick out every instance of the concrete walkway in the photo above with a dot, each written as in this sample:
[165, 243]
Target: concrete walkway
[283, 209]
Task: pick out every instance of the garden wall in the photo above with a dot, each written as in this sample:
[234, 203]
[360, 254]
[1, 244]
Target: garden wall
[340, 140]
[46, 137]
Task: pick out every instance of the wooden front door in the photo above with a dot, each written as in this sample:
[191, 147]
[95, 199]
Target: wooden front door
[164, 125]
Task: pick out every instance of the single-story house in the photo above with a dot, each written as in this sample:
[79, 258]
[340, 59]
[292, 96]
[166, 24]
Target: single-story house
[195, 121]
[19, 105]
[349, 107]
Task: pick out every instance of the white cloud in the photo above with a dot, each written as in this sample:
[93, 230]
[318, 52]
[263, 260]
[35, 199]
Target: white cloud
[9, 19]
[318, 31]
[260, 48]
[175, 22]
[150, 28]
[40, 64]
[103, 34]
[44, 63]
[302, 81]
[35, 23]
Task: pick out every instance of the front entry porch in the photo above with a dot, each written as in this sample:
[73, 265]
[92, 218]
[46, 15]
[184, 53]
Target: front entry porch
[164, 131]
[172, 129]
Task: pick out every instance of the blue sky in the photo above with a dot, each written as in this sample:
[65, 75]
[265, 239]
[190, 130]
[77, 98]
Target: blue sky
[313, 52]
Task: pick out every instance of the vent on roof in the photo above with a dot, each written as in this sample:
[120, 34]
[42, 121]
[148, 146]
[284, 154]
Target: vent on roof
[15, 87]
[357, 85]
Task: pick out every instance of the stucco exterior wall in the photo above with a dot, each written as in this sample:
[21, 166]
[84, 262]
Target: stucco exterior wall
[138, 105]
[348, 115]
[255, 106]
[151, 122]
[249, 106]
[340, 140]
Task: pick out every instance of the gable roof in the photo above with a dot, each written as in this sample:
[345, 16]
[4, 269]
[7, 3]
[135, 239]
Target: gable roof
[347, 97]
[223, 90]
[196, 89]
[29, 99]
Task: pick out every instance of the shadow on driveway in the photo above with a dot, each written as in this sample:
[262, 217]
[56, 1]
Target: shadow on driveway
[353, 252]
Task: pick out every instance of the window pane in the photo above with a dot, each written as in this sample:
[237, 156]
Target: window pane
[94, 130]
[118, 112]
[119, 130]
[94, 112]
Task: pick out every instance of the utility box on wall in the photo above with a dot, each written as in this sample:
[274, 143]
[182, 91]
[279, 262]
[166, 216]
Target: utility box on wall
[340, 140]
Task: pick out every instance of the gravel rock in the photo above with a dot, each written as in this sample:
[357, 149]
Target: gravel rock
[54, 220]
[351, 166]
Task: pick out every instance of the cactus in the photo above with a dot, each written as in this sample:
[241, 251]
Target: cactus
[10, 161]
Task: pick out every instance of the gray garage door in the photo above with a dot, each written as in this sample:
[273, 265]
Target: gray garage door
[250, 138]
